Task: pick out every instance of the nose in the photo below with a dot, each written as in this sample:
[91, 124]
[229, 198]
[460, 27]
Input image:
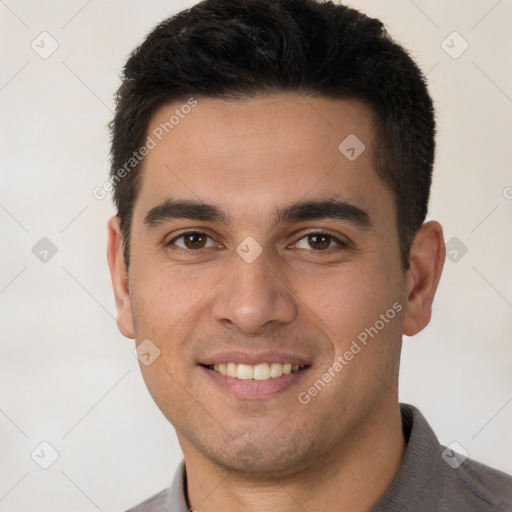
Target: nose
[253, 295]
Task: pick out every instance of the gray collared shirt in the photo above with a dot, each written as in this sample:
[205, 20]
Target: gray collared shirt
[431, 478]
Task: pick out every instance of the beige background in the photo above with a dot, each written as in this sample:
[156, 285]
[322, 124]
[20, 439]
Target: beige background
[69, 378]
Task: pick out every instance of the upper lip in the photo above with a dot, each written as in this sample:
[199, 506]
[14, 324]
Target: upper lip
[255, 357]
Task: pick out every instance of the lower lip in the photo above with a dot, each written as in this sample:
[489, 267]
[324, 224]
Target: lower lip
[251, 388]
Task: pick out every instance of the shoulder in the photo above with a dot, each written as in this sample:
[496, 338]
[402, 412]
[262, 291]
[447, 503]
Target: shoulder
[476, 486]
[155, 503]
[434, 477]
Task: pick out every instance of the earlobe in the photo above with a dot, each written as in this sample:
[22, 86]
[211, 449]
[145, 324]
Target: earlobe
[427, 257]
[119, 275]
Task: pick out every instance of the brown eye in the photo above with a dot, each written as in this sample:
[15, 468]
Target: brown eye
[194, 240]
[319, 241]
[190, 241]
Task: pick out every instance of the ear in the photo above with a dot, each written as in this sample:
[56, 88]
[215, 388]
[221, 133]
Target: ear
[426, 261]
[119, 274]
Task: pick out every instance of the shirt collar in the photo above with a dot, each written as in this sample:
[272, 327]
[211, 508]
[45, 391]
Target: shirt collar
[176, 495]
[418, 483]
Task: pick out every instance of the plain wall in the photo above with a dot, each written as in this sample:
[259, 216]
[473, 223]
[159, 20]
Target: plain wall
[69, 378]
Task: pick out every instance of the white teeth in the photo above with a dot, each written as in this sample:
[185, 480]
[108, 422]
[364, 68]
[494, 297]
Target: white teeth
[276, 370]
[263, 371]
[245, 371]
[231, 369]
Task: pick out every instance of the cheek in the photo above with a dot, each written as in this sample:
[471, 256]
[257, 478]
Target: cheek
[164, 299]
[338, 304]
[165, 307]
[348, 299]
[168, 389]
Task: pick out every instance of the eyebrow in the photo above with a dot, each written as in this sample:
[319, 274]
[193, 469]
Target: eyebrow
[295, 212]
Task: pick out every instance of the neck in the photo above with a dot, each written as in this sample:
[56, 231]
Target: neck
[353, 478]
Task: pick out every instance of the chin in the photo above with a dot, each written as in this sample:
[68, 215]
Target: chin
[261, 459]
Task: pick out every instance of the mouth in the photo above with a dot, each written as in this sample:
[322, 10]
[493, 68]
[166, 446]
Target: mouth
[255, 376]
[260, 372]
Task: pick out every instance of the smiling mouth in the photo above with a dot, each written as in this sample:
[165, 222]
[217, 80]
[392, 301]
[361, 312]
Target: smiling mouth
[264, 371]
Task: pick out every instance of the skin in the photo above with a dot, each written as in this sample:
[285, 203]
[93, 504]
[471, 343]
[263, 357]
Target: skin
[250, 157]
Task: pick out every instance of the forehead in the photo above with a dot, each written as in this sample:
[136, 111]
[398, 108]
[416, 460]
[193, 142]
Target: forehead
[250, 155]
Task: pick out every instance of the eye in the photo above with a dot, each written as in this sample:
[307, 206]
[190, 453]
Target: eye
[191, 241]
[319, 241]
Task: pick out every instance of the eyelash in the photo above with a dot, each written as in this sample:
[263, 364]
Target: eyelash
[193, 252]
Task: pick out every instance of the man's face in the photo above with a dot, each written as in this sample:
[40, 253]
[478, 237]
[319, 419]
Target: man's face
[326, 274]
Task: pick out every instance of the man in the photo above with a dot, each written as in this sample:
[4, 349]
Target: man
[272, 165]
